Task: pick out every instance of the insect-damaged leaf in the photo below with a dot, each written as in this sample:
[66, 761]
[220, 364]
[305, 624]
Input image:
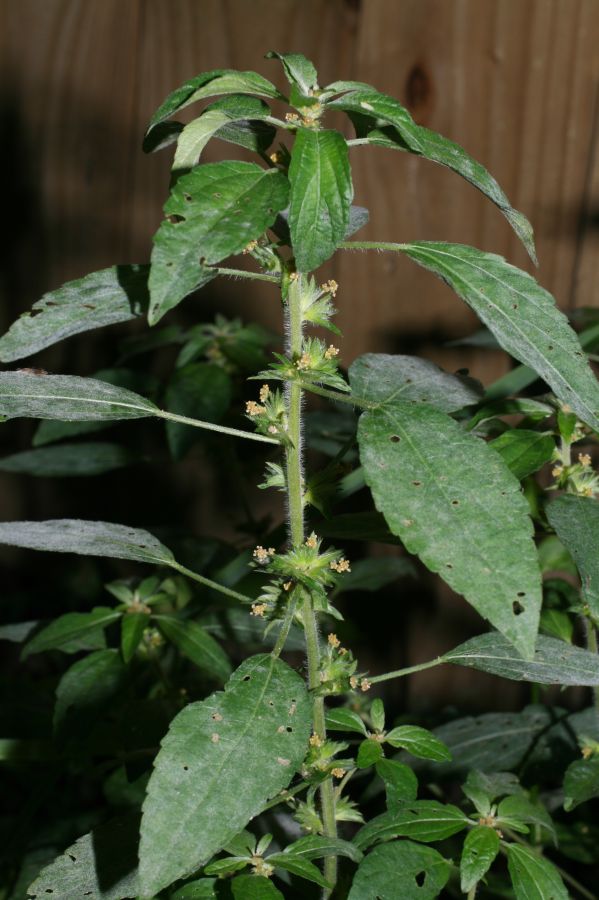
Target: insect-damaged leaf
[400, 871]
[521, 314]
[216, 210]
[576, 521]
[220, 763]
[321, 195]
[480, 849]
[113, 295]
[454, 503]
[554, 661]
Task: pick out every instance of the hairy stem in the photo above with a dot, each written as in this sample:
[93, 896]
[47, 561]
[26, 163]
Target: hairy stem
[399, 673]
[294, 471]
[207, 582]
[211, 426]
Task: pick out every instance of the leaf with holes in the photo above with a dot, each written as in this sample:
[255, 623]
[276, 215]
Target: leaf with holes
[321, 195]
[524, 452]
[554, 662]
[70, 460]
[196, 644]
[454, 503]
[220, 763]
[380, 377]
[113, 295]
[400, 871]
[521, 314]
[480, 849]
[422, 820]
[101, 865]
[533, 876]
[581, 782]
[576, 521]
[214, 211]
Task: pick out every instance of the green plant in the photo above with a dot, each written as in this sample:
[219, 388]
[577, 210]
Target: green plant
[444, 468]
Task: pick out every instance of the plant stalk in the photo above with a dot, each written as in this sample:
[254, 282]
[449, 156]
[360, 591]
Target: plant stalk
[294, 470]
[593, 647]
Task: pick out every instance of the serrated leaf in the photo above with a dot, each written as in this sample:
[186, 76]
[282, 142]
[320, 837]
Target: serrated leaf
[452, 502]
[300, 72]
[401, 783]
[581, 781]
[316, 846]
[113, 295]
[133, 625]
[198, 390]
[380, 377]
[422, 820]
[68, 397]
[72, 632]
[211, 84]
[220, 763]
[101, 865]
[400, 871]
[254, 887]
[480, 849]
[524, 452]
[197, 644]
[87, 539]
[89, 684]
[216, 210]
[372, 103]
[69, 460]
[533, 877]
[521, 314]
[303, 868]
[554, 662]
[419, 742]
[576, 521]
[321, 195]
[342, 719]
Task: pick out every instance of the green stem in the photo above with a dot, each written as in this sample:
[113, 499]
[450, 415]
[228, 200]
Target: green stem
[211, 426]
[207, 582]
[296, 534]
[372, 245]
[254, 276]
[336, 396]
[472, 892]
[399, 673]
[593, 647]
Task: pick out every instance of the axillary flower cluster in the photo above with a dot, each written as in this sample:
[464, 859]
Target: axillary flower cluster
[575, 477]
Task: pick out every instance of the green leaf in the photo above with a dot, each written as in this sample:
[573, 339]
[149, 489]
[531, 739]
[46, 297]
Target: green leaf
[216, 210]
[113, 295]
[581, 782]
[198, 889]
[69, 460]
[483, 789]
[17, 632]
[419, 742]
[379, 377]
[401, 783]
[423, 820]
[524, 452]
[194, 642]
[523, 317]
[480, 849]
[533, 877]
[300, 72]
[297, 866]
[133, 625]
[72, 632]
[576, 521]
[518, 809]
[254, 887]
[197, 390]
[321, 195]
[101, 865]
[316, 846]
[452, 502]
[400, 871]
[369, 753]
[342, 719]
[220, 763]
[377, 714]
[554, 662]
[68, 397]
[87, 539]
[371, 103]
[88, 685]
[211, 84]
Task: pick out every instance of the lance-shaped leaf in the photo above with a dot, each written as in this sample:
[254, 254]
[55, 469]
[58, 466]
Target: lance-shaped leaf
[69, 460]
[380, 377]
[197, 644]
[480, 849]
[68, 398]
[87, 539]
[73, 631]
[373, 104]
[220, 763]
[299, 71]
[101, 865]
[212, 84]
[523, 451]
[400, 871]
[576, 521]
[321, 195]
[533, 876]
[454, 503]
[316, 846]
[87, 687]
[423, 820]
[226, 112]
[554, 662]
[113, 295]
[523, 317]
[215, 210]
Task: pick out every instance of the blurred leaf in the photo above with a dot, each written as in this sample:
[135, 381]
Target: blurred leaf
[373, 574]
[524, 452]
[198, 390]
[73, 632]
[576, 521]
[400, 871]
[534, 876]
[518, 809]
[254, 887]
[581, 782]
[133, 625]
[366, 526]
[195, 643]
[17, 632]
[69, 460]
[553, 556]
[88, 685]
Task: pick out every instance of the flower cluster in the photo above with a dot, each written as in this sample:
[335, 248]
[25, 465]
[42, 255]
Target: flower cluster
[337, 668]
[320, 760]
[316, 364]
[269, 415]
[576, 478]
[316, 301]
